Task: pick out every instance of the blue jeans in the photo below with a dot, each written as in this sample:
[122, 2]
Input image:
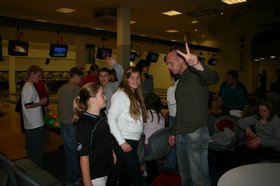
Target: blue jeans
[171, 160]
[69, 135]
[192, 156]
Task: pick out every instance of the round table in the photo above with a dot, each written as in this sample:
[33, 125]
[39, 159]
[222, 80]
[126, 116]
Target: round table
[259, 174]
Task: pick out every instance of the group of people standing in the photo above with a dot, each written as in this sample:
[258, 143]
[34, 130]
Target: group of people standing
[101, 123]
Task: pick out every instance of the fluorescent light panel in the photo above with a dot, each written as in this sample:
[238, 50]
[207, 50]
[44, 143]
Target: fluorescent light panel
[172, 13]
[171, 31]
[66, 10]
[230, 2]
[195, 21]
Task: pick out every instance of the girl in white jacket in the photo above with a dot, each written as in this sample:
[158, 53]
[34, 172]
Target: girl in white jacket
[126, 117]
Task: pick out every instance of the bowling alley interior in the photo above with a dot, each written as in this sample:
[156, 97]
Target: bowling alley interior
[242, 37]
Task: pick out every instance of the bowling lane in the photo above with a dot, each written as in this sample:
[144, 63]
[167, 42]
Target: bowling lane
[12, 141]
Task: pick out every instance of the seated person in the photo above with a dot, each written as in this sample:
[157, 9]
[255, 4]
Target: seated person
[233, 94]
[155, 122]
[265, 136]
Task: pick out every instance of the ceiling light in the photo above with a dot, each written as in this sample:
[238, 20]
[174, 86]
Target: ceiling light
[195, 21]
[196, 30]
[141, 35]
[230, 2]
[133, 22]
[203, 36]
[171, 31]
[41, 20]
[272, 57]
[172, 13]
[96, 28]
[65, 10]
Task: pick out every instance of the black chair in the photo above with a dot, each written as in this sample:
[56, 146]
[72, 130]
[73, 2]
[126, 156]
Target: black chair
[23, 172]
[158, 144]
[3, 177]
[158, 149]
[23, 179]
[7, 165]
[38, 178]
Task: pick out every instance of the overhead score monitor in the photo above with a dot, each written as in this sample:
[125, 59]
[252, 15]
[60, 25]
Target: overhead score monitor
[58, 50]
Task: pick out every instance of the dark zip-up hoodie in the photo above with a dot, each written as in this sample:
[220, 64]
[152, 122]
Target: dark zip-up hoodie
[192, 99]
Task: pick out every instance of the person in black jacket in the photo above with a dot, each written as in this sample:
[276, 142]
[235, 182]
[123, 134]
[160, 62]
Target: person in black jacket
[94, 138]
[189, 132]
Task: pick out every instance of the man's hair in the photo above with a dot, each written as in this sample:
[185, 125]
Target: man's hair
[75, 71]
[234, 74]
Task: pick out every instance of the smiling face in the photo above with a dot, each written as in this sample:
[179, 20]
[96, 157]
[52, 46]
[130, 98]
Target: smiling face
[104, 77]
[134, 81]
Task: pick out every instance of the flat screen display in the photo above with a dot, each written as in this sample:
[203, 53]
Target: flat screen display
[133, 55]
[103, 52]
[152, 57]
[58, 50]
[18, 48]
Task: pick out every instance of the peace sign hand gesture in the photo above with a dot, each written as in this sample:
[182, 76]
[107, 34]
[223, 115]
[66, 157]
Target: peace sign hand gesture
[191, 59]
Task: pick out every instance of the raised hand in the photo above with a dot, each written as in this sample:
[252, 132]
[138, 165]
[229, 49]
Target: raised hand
[110, 61]
[191, 59]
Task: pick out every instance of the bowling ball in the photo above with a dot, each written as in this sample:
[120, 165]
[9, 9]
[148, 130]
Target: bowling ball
[55, 115]
[56, 124]
[50, 121]
[252, 144]
[50, 113]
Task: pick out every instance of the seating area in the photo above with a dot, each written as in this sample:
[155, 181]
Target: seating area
[23, 172]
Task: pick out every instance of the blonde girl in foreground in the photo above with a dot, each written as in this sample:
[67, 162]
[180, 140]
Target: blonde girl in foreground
[94, 138]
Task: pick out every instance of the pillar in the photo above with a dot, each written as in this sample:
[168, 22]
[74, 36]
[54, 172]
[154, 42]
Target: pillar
[80, 51]
[123, 36]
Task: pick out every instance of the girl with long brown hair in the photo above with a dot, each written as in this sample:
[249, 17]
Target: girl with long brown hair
[126, 117]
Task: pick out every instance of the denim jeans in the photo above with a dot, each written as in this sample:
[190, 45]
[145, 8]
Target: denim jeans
[69, 135]
[192, 152]
[171, 160]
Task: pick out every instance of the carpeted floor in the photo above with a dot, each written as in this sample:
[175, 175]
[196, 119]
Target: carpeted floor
[55, 164]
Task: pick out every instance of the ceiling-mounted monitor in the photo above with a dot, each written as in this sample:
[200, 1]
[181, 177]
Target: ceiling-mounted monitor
[152, 57]
[103, 52]
[58, 50]
[18, 48]
[133, 55]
